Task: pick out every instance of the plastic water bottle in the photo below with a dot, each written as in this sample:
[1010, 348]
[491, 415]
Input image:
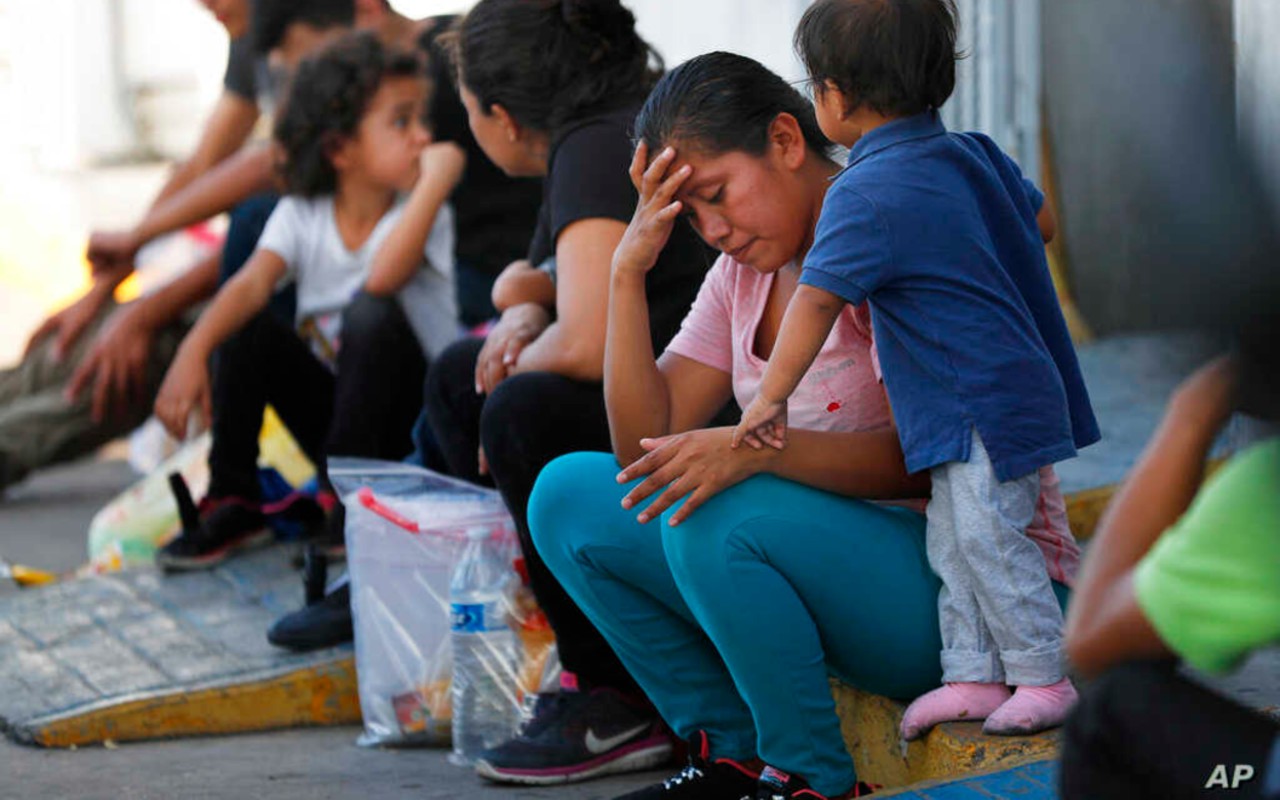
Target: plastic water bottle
[485, 708]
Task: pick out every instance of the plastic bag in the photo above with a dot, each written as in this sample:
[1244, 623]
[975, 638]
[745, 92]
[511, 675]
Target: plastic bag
[127, 531]
[405, 531]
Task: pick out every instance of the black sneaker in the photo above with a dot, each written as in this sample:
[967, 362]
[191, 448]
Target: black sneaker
[573, 736]
[778, 785]
[225, 525]
[703, 779]
[323, 624]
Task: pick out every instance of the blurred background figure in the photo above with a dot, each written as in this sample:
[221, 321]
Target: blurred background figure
[1179, 571]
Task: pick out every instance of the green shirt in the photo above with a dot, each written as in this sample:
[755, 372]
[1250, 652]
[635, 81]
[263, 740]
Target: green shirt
[1211, 585]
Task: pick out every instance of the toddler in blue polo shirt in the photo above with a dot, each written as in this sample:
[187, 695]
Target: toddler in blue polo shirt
[945, 238]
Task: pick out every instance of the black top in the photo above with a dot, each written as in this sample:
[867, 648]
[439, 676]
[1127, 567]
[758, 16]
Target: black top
[241, 75]
[494, 215]
[587, 178]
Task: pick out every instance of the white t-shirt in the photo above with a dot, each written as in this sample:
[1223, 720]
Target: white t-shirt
[304, 233]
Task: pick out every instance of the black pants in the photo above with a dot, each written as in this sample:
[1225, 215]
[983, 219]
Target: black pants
[1144, 731]
[367, 409]
[528, 421]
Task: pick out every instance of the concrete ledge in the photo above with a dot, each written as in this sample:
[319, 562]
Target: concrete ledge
[1035, 781]
[320, 695]
[870, 726]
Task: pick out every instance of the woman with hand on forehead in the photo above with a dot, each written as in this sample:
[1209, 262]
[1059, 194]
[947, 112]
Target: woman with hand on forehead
[763, 571]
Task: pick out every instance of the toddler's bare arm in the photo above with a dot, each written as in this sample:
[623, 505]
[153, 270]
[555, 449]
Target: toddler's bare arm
[808, 321]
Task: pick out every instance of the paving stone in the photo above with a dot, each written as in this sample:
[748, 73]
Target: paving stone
[90, 641]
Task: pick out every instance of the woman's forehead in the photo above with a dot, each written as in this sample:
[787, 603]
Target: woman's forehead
[709, 168]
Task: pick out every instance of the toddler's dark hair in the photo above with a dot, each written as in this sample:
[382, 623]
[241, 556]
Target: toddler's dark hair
[896, 57]
[329, 96]
[549, 62]
[720, 103]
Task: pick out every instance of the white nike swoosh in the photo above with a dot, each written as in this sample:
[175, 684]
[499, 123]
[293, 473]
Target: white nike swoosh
[601, 746]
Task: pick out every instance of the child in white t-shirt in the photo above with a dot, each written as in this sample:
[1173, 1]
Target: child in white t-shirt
[353, 141]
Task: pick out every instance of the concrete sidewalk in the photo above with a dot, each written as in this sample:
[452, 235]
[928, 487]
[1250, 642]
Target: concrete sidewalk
[43, 524]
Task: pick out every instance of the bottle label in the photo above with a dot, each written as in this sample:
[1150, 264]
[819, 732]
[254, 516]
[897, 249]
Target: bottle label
[468, 617]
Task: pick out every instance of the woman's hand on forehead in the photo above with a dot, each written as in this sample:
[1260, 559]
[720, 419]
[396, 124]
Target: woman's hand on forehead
[656, 209]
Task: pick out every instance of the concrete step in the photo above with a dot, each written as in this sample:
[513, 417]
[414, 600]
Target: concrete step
[1033, 781]
[870, 726]
[140, 655]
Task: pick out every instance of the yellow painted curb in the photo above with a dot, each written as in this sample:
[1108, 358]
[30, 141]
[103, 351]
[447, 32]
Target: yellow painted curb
[923, 786]
[319, 695]
[1084, 509]
[870, 726]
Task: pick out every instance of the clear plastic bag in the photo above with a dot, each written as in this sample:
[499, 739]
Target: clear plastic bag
[406, 529]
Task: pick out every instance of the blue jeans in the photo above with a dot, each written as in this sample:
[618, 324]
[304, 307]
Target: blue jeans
[733, 621]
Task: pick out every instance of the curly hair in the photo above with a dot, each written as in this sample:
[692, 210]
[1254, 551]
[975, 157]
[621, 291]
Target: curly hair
[328, 97]
[549, 62]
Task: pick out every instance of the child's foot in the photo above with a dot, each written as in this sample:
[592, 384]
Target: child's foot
[951, 702]
[225, 525]
[1032, 709]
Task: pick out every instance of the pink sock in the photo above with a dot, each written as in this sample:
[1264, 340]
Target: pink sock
[951, 701]
[1032, 709]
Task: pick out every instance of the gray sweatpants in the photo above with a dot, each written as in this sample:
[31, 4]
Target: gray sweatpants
[999, 618]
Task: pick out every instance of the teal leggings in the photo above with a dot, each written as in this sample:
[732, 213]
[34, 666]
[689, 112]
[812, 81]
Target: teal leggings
[732, 621]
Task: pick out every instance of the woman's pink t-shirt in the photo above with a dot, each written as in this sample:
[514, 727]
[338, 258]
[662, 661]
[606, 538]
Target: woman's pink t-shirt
[841, 392]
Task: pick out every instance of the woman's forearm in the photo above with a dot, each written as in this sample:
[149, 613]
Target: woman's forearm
[866, 464]
[635, 391]
[560, 351]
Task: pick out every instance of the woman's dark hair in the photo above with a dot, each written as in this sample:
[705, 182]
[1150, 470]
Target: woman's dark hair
[271, 18]
[329, 96]
[723, 102]
[897, 57]
[445, 115]
[548, 62]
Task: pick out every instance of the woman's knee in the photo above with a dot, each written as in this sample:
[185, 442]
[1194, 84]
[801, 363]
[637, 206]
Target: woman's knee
[556, 518]
[706, 536]
[576, 520]
[702, 544]
[521, 418]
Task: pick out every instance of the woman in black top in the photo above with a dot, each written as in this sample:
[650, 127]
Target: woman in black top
[551, 88]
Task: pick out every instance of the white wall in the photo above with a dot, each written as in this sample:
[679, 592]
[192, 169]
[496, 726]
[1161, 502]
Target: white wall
[1257, 28]
[760, 29]
[97, 80]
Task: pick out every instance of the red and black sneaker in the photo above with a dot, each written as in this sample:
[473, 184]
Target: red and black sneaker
[777, 785]
[222, 526]
[704, 778]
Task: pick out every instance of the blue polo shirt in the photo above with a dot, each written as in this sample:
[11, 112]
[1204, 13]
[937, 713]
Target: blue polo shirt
[938, 231]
